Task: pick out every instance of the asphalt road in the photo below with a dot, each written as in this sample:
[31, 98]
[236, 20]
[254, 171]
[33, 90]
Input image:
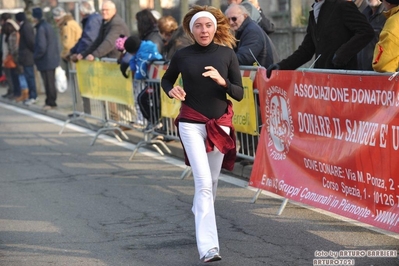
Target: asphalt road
[64, 202]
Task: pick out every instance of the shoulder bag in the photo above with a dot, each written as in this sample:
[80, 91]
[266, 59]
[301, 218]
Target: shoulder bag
[9, 62]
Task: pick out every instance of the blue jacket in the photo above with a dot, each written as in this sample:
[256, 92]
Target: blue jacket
[147, 53]
[91, 28]
[46, 52]
[251, 38]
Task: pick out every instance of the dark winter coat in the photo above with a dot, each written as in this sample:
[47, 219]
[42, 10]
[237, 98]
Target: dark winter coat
[340, 33]
[104, 45]
[251, 38]
[46, 53]
[91, 27]
[265, 23]
[178, 40]
[377, 21]
[26, 44]
[156, 38]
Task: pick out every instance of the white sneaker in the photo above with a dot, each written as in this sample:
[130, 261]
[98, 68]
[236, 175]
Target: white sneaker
[212, 255]
[30, 101]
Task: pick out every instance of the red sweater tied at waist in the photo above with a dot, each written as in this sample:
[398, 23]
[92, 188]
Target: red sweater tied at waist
[216, 136]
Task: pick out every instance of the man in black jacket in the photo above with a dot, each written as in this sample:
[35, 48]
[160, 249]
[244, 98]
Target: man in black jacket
[336, 32]
[25, 52]
[46, 56]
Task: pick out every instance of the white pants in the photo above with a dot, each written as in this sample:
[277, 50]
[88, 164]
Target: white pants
[206, 170]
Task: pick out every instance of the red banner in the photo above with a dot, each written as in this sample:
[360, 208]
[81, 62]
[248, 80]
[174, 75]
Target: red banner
[331, 141]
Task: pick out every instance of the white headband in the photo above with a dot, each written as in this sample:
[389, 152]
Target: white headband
[200, 15]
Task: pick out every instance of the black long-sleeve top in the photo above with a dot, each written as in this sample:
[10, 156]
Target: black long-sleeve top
[202, 93]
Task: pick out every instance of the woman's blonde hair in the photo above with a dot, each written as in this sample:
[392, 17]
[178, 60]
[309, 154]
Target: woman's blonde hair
[167, 25]
[223, 35]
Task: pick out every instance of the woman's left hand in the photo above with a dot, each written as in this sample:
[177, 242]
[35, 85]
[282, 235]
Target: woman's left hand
[214, 74]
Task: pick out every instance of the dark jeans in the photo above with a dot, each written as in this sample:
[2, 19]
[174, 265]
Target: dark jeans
[7, 73]
[29, 74]
[15, 81]
[48, 77]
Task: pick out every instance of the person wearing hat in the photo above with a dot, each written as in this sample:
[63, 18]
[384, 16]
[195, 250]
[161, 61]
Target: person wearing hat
[142, 53]
[70, 30]
[386, 51]
[46, 56]
[25, 55]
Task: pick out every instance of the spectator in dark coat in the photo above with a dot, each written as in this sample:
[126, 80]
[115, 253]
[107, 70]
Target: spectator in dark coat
[264, 22]
[7, 73]
[375, 16]
[178, 40]
[25, 50]
[111, 28]
[253, 48]
[148, 28]
[174, 37]
[252, 42]
[361, 4]
[336, 32]
[10, 30]
[46, 56]
[91, 24]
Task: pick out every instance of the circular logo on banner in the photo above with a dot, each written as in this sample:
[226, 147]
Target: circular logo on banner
[279, 123]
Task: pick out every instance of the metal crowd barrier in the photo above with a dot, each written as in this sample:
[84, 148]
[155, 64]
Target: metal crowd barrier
[114, 117]
[110, 115]
[155, 132]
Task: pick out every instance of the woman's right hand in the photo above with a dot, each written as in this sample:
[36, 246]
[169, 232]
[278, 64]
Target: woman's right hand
[177, 92]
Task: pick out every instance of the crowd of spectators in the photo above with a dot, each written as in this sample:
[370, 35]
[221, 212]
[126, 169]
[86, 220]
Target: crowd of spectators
[354, 40]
